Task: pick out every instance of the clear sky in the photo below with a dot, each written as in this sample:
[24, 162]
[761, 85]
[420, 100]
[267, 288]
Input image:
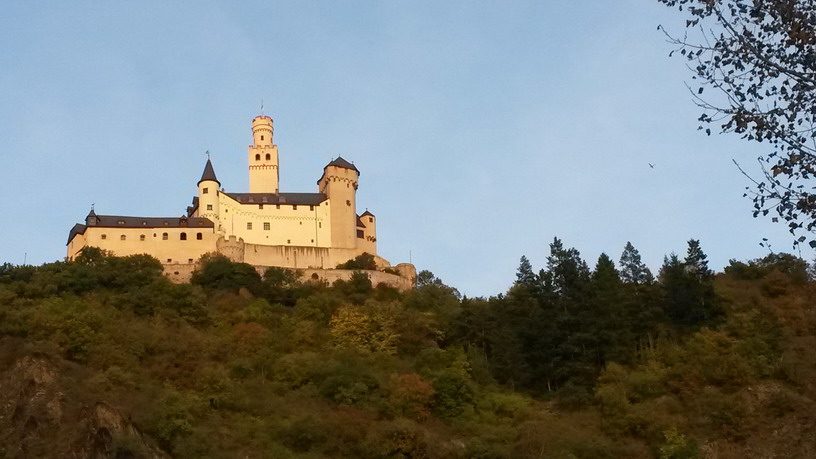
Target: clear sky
[482, 129]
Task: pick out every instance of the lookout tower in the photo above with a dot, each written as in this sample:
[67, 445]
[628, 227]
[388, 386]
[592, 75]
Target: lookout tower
[264, 175]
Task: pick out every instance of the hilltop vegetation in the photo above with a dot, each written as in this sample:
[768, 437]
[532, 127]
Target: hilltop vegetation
[103, 357]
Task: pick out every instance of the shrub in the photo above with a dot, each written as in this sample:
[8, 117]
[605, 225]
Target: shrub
[363, 261]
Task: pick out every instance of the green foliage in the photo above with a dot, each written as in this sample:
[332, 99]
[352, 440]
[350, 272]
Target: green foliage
[217, 272]
[570, 362]
[677, 446]
[363, 261]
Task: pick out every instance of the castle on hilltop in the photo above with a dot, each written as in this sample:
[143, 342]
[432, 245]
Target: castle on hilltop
[313, 232]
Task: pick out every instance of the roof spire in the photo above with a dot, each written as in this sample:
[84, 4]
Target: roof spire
[209, 172]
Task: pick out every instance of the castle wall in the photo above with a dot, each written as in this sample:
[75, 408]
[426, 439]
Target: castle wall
[183, 273]
[301, 257]
[376, 277]
[294, 225]
[170, 250]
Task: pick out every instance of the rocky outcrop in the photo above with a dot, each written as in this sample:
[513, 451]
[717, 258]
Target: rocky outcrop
[37, 419]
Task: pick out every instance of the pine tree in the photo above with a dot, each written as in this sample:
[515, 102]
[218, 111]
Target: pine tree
[633, 270]
[688, 286]
[525, 275]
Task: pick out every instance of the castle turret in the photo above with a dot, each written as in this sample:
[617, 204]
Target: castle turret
[370, 221]
[91, 219]
[208, 195]
[339, 184]
[264, 176]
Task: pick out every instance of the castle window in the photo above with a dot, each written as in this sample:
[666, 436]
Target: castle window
[104, 236]
[261, 137]
[183, 236]
[260, 206]
[164, 236]
[320, 224]
[209, 206]
[249, 225]
[189, 260]
[294, 207]
[371, 219]
[348, 203]
[277, 206]
[122, 237]
[311, 207]
[142, 237]
[360, 234]
[288, 241]
[312, 240]
[120, 222]
[257, 157]
[205, 190]
[266, 226]
[268, 157]
[169, 260]
[199, 236]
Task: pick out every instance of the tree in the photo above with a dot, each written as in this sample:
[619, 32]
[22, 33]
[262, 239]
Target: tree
[633, 271]
[689, 288]
[760, 58]
[218, 272]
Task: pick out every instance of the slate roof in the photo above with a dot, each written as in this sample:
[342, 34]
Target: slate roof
[77, 229]
[340, 162]
[209, 173]
[303, 199]
[116, 221]
[367, 213]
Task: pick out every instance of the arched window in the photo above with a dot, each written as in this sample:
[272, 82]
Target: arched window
[257, 157]
[122, 237]
[199, 236]
[268, 156]
[164, 236]
[183, 236]
[142, 237]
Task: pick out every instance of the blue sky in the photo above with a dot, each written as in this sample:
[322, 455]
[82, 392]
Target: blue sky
[482, 129]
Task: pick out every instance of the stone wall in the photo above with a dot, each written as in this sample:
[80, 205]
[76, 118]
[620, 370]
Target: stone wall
[181, 273]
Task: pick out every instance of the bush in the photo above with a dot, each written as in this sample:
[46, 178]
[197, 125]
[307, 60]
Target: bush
[364, 261]
[217, 272]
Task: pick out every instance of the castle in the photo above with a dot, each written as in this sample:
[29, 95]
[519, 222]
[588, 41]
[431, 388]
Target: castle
[312, 232]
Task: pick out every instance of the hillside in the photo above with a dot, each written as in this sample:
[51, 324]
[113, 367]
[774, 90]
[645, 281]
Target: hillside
[103, 357]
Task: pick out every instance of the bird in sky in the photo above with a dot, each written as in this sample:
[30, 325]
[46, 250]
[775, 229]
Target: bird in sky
[651, 165]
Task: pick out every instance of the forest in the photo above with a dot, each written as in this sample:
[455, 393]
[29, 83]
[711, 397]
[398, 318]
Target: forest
[104, 357]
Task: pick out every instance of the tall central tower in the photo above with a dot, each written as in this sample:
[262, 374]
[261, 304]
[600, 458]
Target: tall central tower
[264, 176]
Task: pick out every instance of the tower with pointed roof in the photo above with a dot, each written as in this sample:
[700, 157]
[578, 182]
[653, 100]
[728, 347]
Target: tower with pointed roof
[208, 201]
[339, 183]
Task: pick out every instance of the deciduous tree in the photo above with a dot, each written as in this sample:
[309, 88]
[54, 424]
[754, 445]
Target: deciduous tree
[759, 59]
